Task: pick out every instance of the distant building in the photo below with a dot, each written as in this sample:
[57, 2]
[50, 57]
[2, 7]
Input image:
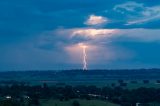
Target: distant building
[142, 104]
[8, 97]
[26, 97]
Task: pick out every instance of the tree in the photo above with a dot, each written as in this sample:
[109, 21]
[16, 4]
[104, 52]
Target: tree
[75, 103]
[34, 102]
[9, 103]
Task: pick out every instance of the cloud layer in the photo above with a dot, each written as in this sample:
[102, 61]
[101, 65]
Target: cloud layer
[139, 13]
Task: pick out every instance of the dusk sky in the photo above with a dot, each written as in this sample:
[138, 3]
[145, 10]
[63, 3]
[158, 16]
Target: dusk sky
[48, 34]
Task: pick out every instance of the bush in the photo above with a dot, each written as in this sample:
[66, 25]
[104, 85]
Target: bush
[75, 103]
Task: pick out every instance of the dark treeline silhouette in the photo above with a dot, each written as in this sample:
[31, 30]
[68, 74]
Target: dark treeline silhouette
[26, 95]
[77, 75]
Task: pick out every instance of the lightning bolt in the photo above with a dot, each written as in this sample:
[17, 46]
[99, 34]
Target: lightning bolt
[84, 58]
[84, 47]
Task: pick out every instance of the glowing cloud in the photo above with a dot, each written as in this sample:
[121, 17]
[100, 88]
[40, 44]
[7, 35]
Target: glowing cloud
[82, 40]
[96, 20]
[93, 32]
[87, 32]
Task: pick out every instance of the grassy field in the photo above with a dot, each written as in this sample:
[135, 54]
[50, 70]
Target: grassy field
[152, 83]
[82, 103]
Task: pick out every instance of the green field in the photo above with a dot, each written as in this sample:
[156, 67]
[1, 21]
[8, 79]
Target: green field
[152, 83]
[81, 102]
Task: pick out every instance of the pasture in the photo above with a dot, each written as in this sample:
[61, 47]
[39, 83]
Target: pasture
[81, 102]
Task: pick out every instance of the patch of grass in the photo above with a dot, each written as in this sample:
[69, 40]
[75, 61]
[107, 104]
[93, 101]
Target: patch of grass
[81, 102]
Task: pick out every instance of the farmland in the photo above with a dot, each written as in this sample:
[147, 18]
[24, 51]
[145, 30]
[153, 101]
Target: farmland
[81, 102]
[129, 78]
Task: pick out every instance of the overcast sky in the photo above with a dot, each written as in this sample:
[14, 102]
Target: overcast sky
[46, 34]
